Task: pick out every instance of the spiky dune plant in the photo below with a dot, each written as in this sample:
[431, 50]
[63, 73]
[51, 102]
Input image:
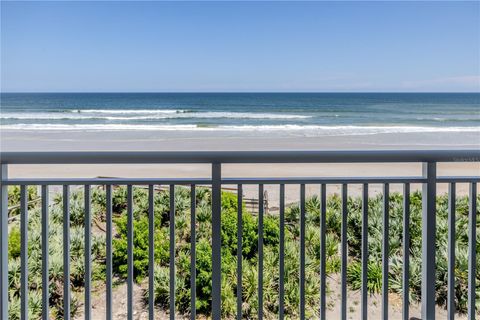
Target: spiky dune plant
[77, 274]
[250, 251]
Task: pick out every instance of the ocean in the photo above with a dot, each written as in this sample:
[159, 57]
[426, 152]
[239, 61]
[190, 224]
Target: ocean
[309, 114]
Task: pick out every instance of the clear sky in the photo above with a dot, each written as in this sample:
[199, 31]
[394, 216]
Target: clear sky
[233, 46]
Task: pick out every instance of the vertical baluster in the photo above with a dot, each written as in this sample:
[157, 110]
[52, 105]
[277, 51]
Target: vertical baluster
[88, 250]
[364, 250]
[193, 252]
[129, 252]
[66, 252]
[302, 251]
[323, 251]
[4, 243]
[239, 249]
[451, 251]
[472, 243]
[216, 241]
[109, 253]
[385, 249]
[151, 252]
[260, 252]
[429, 226]
[281, 292]
[172, 251]
[24, 251]
[45, 255]
[406, 250]
[344, 251]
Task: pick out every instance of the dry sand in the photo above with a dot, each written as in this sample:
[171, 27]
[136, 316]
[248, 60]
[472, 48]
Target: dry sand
[257, 170]
[184, 140]
[333, 311]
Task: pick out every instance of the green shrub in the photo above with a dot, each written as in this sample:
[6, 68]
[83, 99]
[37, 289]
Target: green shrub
[55, 258]
[229, 250]
[140, 247]
[14, 198]
[374, 276]
[14, 239]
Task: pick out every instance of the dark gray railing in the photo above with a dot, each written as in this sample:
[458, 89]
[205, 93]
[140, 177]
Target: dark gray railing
[429, 180]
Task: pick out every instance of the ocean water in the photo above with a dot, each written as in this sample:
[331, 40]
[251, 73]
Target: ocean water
[316, 114]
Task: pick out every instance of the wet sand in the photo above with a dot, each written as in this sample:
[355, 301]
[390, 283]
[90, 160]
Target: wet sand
[20, 140]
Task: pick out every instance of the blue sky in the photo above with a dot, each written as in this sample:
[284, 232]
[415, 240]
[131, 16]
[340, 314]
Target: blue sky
[233, 46]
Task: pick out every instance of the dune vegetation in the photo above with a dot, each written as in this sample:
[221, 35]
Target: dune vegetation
[229, 249]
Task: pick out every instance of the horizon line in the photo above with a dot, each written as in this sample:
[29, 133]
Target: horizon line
[235, 92]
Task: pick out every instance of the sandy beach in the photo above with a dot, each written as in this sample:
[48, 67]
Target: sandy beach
[171, 141]
[30, 140]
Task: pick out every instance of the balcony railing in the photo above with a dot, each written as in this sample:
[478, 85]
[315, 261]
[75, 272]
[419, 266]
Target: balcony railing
[429, 181]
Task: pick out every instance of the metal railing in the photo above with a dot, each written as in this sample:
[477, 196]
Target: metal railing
[429, 180]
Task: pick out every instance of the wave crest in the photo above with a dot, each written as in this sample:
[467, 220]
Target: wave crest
[308, 129]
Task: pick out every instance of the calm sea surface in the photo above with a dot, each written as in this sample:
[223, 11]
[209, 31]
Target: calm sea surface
[312, 113]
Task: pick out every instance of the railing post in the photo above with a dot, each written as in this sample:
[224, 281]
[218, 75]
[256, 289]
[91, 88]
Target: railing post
[216, 241]
[88, 253]
[24, 252]
[472, 251]
[429, 227]
[108, 311]
[45, 251]
[130, 257]
[406, 251]
[172, 252]
[66, 253]
[4, 244]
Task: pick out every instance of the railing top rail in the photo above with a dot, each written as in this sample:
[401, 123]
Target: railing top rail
[144, 157]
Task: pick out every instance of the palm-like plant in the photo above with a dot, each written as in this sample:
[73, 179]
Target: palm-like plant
[250, 251]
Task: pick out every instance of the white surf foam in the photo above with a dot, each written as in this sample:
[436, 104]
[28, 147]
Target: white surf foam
[310, 129]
